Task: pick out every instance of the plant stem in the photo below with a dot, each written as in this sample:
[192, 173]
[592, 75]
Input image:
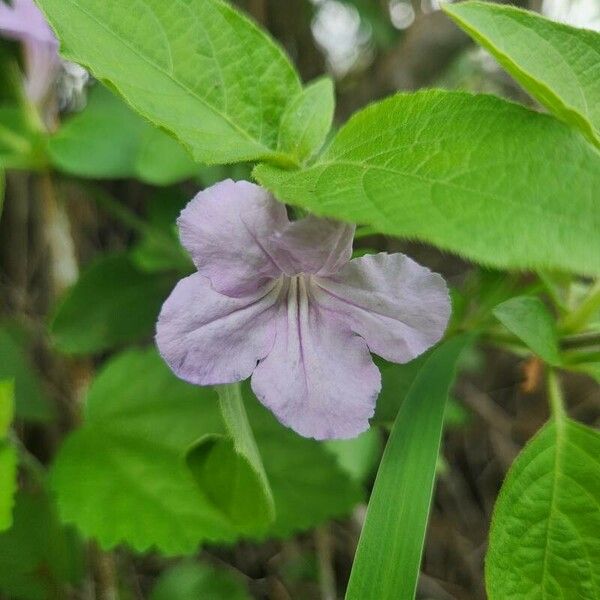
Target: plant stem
[64, 269]
[28, 460]
[557, 403]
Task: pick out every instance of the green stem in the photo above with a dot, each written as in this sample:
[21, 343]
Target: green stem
[579, 318]
[557, 403]
[28, 460]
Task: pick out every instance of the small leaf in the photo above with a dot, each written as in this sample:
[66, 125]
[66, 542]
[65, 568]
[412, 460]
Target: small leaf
[230, 483]
[122, 477]
[545, 533]
[193, 581]
[529, 319]
[196, 68]
[557, 64]
[230, 468]
[490, 180]
[112, 303]
[107, 140]
[391, 543]
[307, 120]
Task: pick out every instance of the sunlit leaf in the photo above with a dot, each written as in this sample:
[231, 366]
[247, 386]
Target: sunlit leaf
[482, 177]
[122, 477]
[545, 534]
[196, 68]
[557, 64]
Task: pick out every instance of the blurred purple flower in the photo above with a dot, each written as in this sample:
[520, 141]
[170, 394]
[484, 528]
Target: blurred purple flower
[24, 22]
[282, 302]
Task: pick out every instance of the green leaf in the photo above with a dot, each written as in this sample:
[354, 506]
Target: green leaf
[193, 581]
[557, 64]
[196, 68]
[490, 180]
[389, 551]
[109, 141]
[529, 319]
[31, 401]
[307, 120]
[230, 468]
[123, 477]
[112, 303]
[38, 556]
[545, 533]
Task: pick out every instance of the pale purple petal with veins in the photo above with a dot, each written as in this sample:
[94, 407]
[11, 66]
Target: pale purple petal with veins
[208, 338]
[280, 301]
[226, 228]
[313, 245]
[319, 378]
[24, 20]
[399, 307]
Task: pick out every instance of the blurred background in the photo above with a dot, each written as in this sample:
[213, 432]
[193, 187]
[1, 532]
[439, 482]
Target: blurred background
[100, 220]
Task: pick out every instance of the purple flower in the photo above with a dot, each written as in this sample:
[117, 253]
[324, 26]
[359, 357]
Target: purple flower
[282, 302]
[24, 22]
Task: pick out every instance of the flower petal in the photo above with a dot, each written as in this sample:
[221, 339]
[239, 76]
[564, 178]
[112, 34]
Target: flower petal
[399, 307]
[225, 227]
[208, 338]
[314, 245]
[24, 21]
[319, 378]
[43, 63]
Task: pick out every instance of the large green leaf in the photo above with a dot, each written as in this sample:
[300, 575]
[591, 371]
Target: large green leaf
[112, 303]
[108, 140]
[477, 175]
[531, 321]
[193, 581]
[38, 556]
[195, 67]
[557, 64]
[388, 557]
[123, 477]
[545, 534]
